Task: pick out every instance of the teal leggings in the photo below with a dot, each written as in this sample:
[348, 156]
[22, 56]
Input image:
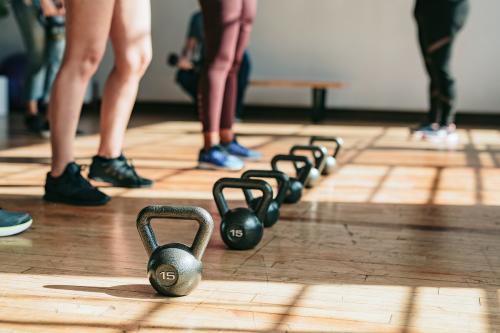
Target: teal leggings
[44, 48]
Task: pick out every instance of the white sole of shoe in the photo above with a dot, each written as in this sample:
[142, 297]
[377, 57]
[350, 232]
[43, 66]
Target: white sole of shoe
[9, 231]
[208, 166]
[45, 134]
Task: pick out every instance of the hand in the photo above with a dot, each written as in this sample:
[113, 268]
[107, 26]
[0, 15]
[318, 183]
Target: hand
[52, 8]
[185, 64]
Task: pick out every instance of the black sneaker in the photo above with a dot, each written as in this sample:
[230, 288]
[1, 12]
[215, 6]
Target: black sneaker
[45, 130]
[71, 188]
[117, 171]
[36, 124]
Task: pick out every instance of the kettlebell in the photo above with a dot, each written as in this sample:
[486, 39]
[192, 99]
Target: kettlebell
[242, 228]
[174, 269]
[273, 212]
[319, 155]
[296, 184]
[331, 160]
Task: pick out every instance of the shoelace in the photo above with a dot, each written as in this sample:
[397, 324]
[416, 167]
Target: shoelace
[128, 168]
[221, 153]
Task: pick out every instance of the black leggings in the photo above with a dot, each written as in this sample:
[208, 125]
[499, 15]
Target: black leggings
[438, 22]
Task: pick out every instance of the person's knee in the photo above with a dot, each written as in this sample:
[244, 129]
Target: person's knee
[445, 79]
[134, 61]
[84, 62]
[224, 62]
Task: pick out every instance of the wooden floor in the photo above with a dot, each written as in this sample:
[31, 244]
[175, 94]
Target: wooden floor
[404, 237]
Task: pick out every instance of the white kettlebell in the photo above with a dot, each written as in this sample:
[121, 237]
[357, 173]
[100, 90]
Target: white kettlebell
[331, 160]
[319, 155]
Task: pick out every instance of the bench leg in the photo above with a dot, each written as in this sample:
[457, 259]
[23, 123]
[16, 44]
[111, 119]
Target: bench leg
[319, 105]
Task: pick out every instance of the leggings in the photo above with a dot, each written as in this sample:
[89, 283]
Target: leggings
[439, 21]
[227, 24]
[188, 80]
[44, 47]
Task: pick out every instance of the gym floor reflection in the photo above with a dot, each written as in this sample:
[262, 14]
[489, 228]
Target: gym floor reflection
[403, 237]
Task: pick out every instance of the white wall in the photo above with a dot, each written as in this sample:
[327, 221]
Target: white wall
[369, 44]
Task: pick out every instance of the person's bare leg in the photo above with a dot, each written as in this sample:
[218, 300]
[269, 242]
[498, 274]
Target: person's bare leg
[131, 39]
[88, 25]
[32, 108]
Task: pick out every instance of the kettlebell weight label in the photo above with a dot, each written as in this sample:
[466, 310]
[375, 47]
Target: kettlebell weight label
[238, 233]
[167, 275]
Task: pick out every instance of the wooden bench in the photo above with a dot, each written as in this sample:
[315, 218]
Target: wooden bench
[319, 91]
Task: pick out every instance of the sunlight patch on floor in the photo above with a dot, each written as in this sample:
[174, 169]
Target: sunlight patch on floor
[109, 301]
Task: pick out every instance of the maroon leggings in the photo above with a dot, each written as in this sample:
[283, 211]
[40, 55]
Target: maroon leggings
[227, 24]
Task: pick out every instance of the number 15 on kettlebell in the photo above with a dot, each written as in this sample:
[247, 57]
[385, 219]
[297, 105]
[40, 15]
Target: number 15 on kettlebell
[175, 269]
[242, 228]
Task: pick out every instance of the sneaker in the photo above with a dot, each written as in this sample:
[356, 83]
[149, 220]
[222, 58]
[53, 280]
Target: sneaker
[448, 132]
[36, 124]
[234, 148]
[12, 223]
[426, 128]
[45, 130]
[71, 188]
[118, 172]
[217, 158]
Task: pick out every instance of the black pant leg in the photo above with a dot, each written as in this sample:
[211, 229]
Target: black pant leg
[423, 39]
[188, 81]
[243, 81]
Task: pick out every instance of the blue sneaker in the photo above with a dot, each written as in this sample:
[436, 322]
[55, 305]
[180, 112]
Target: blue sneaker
[426, 129]
[217, 158]
[234, 148]
[12, 223]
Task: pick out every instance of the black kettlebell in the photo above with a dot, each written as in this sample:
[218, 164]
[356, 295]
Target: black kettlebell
[273, 212]
[331, 161]
[296, 184]
[319, 155]
[174, 269]
[242, 228]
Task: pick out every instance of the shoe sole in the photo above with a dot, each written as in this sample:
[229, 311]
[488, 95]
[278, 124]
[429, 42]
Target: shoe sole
[250, 159]
[14, 230]
[44, 134]
[64, 200]
[247, 158]
[449, 138]
[208, 166]
[102, 180]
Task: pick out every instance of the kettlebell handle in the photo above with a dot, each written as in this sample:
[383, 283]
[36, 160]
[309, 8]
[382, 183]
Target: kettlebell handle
[281, 177]
[244, 184]
[338, 141]
[319, 154]
[203, 235]
[302, 173]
